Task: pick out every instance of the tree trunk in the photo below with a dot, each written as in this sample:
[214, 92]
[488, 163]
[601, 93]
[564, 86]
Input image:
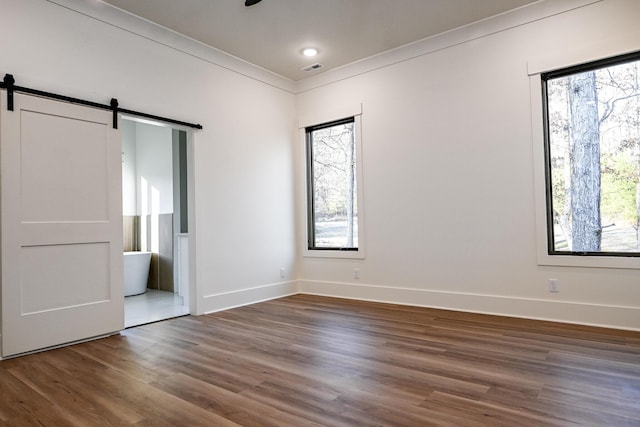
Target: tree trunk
[351, 184]
[585, 163]
[565, 217]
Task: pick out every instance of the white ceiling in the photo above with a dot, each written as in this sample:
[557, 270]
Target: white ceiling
[272, 33]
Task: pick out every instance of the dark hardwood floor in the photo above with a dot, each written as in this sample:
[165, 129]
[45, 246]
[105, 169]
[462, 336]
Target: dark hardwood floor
[307, 360]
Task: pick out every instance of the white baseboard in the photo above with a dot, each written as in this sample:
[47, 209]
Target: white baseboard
[617, 317]
[227, 300]
[607, 316]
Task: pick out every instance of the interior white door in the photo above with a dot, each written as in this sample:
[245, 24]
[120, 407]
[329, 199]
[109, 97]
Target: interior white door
[61, 224]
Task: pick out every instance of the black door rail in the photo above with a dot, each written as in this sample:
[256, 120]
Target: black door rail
[8, 83]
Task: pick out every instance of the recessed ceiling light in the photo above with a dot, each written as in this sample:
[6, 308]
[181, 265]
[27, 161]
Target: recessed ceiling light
[310, 51]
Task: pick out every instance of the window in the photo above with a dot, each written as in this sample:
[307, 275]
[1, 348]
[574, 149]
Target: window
[333, 186]
[592, 158]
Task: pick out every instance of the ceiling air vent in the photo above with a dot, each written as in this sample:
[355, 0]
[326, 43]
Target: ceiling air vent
[312, 67]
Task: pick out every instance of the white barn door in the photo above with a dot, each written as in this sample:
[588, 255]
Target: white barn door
[61, 224]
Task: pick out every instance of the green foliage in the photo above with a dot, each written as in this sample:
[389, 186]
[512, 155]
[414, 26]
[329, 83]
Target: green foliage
[619, 176]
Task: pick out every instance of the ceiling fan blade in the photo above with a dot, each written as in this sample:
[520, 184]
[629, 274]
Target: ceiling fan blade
[251, 2]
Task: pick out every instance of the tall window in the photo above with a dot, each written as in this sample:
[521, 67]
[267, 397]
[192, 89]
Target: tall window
[592, 149]
[332, 186]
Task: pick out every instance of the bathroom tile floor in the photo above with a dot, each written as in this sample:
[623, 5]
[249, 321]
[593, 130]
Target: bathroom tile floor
[152, 306]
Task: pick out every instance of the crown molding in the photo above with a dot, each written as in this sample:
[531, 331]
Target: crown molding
[492, 25]
[118, 18]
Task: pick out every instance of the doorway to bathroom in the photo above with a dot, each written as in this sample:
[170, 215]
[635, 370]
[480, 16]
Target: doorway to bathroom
[155, 221]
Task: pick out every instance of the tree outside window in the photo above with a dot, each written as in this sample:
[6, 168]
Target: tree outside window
[593, 158]
[332, 186]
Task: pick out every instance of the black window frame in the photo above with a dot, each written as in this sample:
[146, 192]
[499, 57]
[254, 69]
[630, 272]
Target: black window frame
[545, 77]
[310, 187]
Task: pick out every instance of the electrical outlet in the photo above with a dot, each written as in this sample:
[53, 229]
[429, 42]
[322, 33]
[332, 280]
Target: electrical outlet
[554, 285]
[282, 275]
[356, 273]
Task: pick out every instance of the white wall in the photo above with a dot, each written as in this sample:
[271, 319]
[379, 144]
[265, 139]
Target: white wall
[242, 159]
[449, 183]
[448, 165]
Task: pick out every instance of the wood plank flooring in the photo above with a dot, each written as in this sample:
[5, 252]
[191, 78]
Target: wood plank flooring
[315, 361]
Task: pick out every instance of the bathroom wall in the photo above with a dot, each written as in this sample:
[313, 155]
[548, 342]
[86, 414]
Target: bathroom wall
[154, 164]
[147, 177]
[130, 218]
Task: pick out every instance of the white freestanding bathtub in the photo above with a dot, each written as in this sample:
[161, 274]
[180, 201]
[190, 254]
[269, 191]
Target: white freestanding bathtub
[136, 272]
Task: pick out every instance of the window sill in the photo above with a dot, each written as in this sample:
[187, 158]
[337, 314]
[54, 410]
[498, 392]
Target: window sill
[311, 253]
[589, 261]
